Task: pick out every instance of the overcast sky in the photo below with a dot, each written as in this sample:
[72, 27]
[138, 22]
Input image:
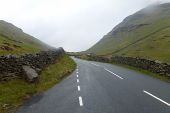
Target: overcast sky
[75, 25]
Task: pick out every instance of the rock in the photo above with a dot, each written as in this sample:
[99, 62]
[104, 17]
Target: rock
[26, 97]
[38, 70]
[168, 75]
[5, 106]
[157, 61]
[7, 48]
[30, 74]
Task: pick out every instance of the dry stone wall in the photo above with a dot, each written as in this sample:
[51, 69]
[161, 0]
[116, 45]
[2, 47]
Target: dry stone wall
[150, 65]
[12, 66]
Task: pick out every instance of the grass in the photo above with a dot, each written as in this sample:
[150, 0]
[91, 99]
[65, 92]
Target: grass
[21, 49]
[156, 47]
[12, 93]
[83, 57]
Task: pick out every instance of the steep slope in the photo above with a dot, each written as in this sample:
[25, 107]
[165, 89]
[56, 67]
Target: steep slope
[145, 34]
[14, 41]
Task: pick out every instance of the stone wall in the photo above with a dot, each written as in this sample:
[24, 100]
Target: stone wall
[12, 66]
[150, 65]
[98, 58]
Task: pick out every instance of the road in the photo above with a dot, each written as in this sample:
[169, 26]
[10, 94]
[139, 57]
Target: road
[102, 88]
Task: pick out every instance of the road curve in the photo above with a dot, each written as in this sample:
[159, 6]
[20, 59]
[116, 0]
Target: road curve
[102, 88]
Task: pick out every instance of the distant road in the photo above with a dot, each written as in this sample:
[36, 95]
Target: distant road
[103, 88]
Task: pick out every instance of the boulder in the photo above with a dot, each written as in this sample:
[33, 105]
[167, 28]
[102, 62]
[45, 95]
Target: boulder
[30, 74]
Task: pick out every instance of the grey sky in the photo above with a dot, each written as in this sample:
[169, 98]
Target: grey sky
[75, 25]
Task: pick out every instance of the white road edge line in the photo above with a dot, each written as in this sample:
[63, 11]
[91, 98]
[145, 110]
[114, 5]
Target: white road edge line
[77, 80]
[80, 101]
[95, 64]
[156, 98]
[78, 88]
[113, 73]
[77, 76]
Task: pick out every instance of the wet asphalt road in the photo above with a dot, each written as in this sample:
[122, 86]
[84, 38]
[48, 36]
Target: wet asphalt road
[102, 88]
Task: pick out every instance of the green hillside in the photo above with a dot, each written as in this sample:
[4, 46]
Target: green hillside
[144, 34]
[14, 41]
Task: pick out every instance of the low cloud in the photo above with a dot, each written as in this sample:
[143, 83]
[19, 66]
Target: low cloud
[73, 24]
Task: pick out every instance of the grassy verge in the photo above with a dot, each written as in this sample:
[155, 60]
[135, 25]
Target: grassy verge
[13, 93]
[161, 77]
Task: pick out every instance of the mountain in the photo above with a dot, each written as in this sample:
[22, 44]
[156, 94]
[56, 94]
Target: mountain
[145, 34]
[14, 41]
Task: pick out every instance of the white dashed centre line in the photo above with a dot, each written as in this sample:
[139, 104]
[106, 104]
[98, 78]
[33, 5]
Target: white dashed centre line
[113, 73]
[156, 98]
[77, 80]
[95, 64]
[80, 101]
[78, 88]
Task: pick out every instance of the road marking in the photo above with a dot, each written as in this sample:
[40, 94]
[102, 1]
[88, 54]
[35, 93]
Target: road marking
[156, 98]
[113, 73]
[77, 72]
[77, 80]
[78, 88]
[95, 64]
[77, 76]
[80, 101]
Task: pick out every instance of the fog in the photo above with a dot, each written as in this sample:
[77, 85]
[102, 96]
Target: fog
[75, 25]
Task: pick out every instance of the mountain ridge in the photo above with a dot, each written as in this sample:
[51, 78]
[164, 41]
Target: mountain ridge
[129, 37]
